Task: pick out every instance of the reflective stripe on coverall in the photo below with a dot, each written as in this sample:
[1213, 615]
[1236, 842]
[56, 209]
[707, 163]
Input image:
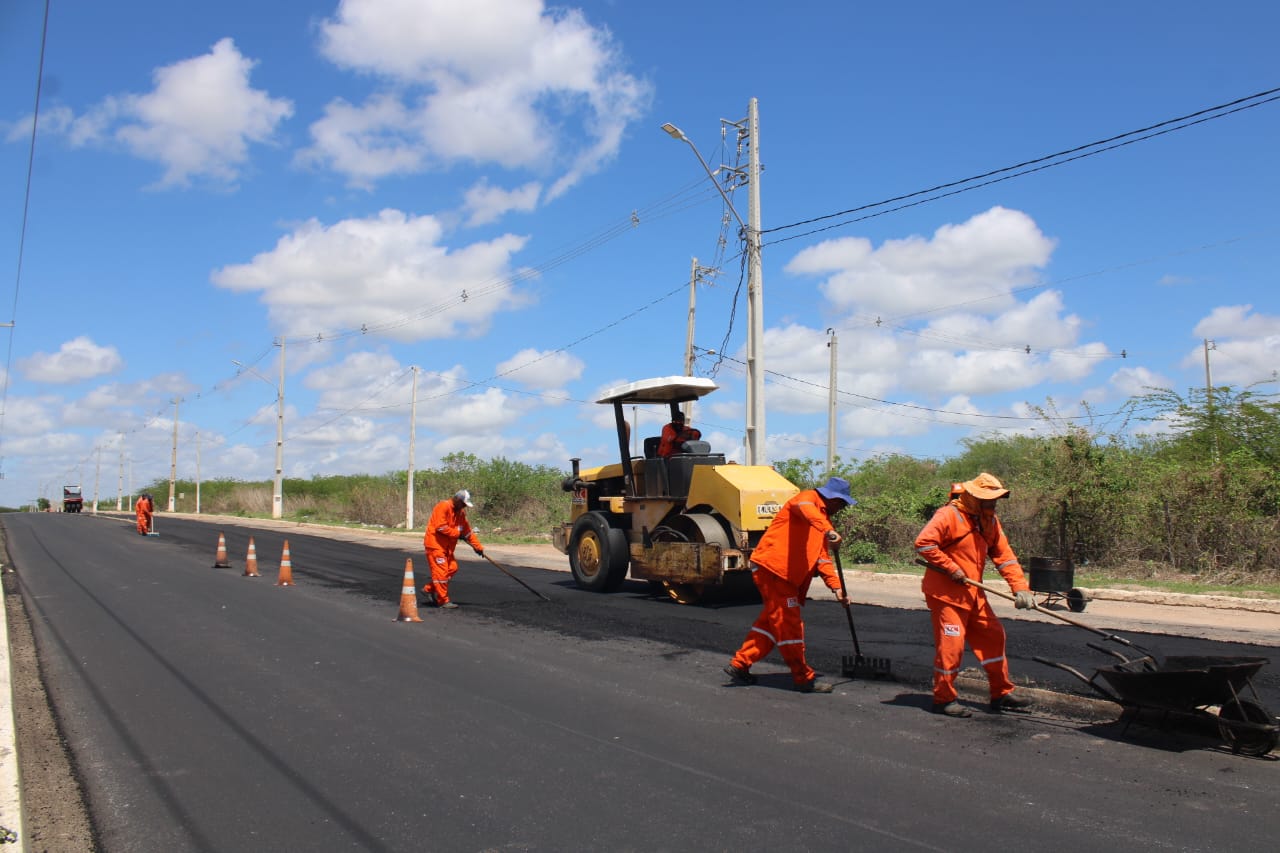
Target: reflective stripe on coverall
[952, 540]
[445, 527]
[790, 553]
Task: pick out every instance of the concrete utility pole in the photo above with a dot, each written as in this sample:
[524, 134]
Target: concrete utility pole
[173, 459]
[97, 475]
[755, 297]
[197, 473]
[413, 432]
[277, 494]
[120, 479]
[831, 404]
[749, 130]
[693, 299]
[1208, 396]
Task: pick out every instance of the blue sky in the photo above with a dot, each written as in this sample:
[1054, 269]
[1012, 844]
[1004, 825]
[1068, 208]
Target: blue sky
[483, 191]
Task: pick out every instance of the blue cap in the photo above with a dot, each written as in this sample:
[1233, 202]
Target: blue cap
[837, 489]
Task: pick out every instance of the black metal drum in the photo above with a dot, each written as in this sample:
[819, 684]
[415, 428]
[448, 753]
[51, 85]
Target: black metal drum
[1054, 578]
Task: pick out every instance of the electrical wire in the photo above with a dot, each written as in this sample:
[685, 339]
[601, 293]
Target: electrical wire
[1038, 160]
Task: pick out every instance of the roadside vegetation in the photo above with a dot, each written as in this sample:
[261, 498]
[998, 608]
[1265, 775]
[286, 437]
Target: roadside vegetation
[1194, 505]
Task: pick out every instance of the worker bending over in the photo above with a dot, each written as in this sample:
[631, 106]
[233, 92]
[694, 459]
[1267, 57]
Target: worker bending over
[792, 551]
[447, 525]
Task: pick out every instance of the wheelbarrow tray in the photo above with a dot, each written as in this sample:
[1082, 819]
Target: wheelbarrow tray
[1180, 683]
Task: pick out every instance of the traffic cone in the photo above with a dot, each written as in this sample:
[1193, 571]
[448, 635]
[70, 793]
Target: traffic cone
[286, 567]
[408, 596]
[251, 561]
[220, 561]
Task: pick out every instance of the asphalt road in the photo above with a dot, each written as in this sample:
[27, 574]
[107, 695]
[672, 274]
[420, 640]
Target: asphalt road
[209, 711]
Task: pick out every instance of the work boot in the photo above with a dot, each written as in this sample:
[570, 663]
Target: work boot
[448, 605]
[740, 675]
[951, 709]
[1009, 702]
[813, 685]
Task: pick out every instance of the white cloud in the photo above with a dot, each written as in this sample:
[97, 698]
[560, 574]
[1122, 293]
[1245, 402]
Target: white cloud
[491, 81]
[1245, 345]
[487, 204]
[542, 370]
[385, 273]
[975, 264]
[197, 122]
[76, 360]
[367, 142]
[1134, 382]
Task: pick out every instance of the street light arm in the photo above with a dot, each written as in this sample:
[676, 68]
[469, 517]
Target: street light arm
[676, 133]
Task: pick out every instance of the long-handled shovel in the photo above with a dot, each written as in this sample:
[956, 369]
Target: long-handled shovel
[858, 666]
[514, 578]
[1147, 653]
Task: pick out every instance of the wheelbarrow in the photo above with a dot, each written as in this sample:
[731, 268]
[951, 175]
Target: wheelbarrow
[1189, 685]
[1173, 684]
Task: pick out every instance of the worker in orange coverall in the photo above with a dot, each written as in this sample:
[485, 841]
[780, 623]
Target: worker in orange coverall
[448, 524]
[143, 509]
[956, 543]
[792, 551]
[675, 434]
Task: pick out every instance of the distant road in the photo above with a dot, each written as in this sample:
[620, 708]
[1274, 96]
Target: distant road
[209, 711]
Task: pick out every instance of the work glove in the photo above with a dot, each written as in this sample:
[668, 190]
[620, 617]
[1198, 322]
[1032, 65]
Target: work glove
[833, 537]
[1024, 600]
[958, 576]
[479, 551]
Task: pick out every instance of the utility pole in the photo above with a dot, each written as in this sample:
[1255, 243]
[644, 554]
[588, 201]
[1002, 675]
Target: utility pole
[413, 432]
[1208, 396]
[831, 404]
[120, 479]
[197, 473]
[97, 475]
[749, 129]
[755, 303]
[173, 458]
[688, 338]
[277, 494]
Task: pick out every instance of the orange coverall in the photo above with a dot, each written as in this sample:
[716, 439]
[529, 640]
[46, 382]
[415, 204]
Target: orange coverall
[672, 438]
[143, 509]
[792, 551]
[446, 526]
[957, 539]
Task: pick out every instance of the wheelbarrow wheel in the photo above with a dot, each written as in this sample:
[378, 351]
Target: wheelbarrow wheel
[1239, 722]
[1076, 600]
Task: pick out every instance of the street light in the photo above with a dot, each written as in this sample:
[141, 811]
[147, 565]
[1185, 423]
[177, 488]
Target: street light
[277, 493]
[755, 450]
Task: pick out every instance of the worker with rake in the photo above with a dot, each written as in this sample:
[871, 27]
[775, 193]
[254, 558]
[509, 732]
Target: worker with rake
[955, 544]
[792, 551]
[447, 525]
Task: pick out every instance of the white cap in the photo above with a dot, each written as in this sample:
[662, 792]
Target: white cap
[463, 496]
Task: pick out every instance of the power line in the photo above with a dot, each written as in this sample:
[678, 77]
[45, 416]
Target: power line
[1200, 116]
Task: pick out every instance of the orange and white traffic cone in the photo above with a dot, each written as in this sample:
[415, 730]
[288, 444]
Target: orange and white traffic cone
[408, 596]
[286, 567]
[251, 561]
[220, 561]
